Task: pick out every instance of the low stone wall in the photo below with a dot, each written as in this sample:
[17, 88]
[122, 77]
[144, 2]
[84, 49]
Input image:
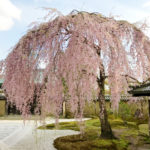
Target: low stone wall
[2, 107]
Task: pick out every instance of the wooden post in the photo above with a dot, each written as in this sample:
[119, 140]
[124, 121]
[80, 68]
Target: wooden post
[64, 109]
[149, 117]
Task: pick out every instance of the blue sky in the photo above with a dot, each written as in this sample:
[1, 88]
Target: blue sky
[16, 15]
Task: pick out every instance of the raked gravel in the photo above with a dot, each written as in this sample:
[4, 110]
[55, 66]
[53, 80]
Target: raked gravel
[15, 135]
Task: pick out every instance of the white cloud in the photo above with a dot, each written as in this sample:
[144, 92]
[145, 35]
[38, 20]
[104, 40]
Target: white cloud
[8, 12]
[147, 4]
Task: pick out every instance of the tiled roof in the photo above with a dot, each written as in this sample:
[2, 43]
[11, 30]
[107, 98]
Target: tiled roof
[142, 90]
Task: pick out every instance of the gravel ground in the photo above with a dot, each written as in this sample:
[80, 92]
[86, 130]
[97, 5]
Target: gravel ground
[15, 135]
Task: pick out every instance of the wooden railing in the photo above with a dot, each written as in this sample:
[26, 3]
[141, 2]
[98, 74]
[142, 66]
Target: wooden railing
[123, 98]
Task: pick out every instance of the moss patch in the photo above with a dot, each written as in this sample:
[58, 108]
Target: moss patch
[81, 143]
[129, 135]
[143, 129]
[62, 126]
[90, 138]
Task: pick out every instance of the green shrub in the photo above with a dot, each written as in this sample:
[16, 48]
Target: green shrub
[91, 109]
[127, 111]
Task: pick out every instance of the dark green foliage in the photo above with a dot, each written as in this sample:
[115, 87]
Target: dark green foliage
[1, 85]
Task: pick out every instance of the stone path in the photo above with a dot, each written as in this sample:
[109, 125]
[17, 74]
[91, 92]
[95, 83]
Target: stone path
[14, 135]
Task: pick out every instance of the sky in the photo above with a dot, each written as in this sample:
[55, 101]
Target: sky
[17, 15]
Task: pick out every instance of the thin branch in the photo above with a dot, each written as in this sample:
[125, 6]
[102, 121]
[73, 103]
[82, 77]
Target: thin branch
[128, 76]
[148, 80]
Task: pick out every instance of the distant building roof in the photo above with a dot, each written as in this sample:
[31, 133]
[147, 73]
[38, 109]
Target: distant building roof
[141, 90]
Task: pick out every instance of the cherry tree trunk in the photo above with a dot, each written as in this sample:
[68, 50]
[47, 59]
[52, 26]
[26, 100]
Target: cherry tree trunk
[106, 131]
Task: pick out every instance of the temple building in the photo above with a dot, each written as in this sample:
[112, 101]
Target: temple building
[142, 90]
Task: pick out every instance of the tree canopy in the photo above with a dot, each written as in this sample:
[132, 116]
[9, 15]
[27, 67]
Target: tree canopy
[76, 48]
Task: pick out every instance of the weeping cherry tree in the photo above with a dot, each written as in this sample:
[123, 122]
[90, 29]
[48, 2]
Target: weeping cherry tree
[82, 49]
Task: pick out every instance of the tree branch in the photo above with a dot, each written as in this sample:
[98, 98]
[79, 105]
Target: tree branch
[128, 76]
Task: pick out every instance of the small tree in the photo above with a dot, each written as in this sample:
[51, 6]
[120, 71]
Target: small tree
[84, 49]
